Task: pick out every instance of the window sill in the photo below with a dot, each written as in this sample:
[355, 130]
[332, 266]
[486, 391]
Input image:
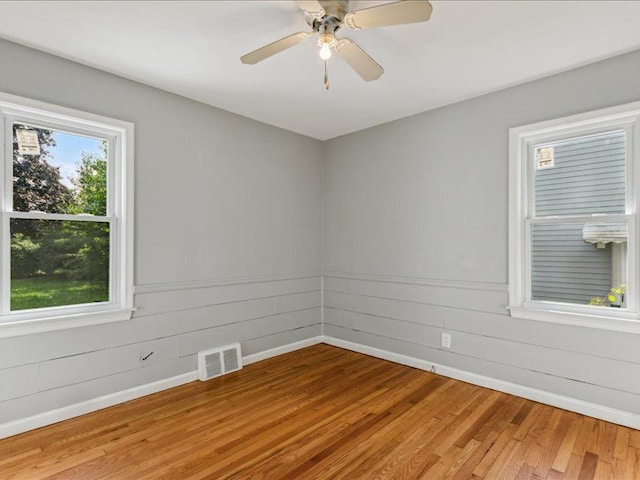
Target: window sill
[14, 328]
[630, 323]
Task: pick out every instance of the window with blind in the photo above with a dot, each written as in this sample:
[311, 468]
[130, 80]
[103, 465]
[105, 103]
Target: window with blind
[573, 228]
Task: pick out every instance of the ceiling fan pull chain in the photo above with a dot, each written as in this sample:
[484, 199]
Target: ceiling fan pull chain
[326, 75]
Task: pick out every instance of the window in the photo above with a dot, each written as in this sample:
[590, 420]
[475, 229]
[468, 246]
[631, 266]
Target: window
[66, 235]
[573, 227]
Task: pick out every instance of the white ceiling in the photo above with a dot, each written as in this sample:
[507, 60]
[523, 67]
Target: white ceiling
[192, 48]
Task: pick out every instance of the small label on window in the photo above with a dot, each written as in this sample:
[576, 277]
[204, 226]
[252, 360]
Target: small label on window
[544, 157]
[28, 143]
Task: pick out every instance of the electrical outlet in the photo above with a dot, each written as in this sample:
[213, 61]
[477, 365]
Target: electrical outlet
[446, 340]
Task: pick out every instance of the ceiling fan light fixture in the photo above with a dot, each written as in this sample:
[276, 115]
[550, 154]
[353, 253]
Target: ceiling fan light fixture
[325, 51]
[326, 42]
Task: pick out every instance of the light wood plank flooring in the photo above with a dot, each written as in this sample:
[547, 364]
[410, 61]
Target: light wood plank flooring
[326, 413]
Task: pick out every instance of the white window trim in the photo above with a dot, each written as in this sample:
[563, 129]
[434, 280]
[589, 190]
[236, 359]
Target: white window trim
[521, 139]
[120, 210]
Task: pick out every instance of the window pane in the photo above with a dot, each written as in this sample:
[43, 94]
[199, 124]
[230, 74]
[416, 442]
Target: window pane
[579, 263]
[56, 262]
[57, 172]
[581, 176]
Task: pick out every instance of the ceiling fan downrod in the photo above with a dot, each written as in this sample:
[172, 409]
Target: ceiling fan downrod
[326, 75]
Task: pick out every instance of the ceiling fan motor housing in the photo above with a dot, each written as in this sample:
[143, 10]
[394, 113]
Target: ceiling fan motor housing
[334, 12]
[335, 8]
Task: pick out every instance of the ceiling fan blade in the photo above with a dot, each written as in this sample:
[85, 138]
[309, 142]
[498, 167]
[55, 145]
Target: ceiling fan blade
[397, 13]
[311, 8]
[358, 59]
[275, 47]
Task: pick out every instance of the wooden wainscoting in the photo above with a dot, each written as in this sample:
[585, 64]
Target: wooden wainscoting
[326, 413]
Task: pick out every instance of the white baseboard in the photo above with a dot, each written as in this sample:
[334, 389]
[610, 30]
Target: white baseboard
[54, 416]
[575, 405]
[609, 414]
[274, 352]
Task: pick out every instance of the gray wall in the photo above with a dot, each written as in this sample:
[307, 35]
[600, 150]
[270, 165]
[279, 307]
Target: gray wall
[415, 241]
[227, 240]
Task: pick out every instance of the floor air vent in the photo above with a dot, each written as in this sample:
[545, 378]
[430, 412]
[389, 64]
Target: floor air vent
[218, 361]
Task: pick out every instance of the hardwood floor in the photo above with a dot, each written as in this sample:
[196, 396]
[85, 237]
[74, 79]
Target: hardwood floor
[326, 413]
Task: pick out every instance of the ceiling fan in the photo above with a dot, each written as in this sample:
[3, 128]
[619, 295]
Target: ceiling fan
[327, 17]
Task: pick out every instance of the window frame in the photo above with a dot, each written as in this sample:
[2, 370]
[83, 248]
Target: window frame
[119, 215]
[522, 142]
